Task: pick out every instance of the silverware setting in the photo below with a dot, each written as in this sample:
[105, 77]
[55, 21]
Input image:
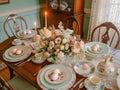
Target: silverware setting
[78, 82]
[22, 62]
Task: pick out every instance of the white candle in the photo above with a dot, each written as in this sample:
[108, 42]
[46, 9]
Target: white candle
[35, 25]
[45, 19]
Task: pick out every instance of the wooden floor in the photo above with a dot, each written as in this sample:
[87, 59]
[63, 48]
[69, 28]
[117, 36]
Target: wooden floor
[5, 73]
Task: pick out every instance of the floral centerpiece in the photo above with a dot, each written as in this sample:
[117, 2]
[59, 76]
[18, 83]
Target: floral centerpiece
[56, 44]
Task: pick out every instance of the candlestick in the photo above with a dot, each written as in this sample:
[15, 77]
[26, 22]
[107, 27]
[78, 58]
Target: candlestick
[45, 19]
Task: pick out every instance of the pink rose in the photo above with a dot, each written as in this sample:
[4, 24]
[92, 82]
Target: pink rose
[58, 32]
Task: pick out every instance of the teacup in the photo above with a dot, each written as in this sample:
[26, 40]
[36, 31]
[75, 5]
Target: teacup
[38, 56]
[95, 80]
[17, 41]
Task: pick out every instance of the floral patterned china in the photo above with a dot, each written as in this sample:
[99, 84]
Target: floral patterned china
[84, 68]
[64, 84]
[26, 34]
[16, 42]
[16, 53]
[55, 76]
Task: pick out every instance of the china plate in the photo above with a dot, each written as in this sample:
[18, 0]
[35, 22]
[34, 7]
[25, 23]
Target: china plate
[61, 79]
[105, 48]
[27, 36]
[62, 86]
[89, 86]
[118, 81]
[84, 68]
[26, 50]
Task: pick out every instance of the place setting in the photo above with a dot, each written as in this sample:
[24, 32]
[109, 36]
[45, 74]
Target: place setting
[25, 34]
[16, 53]
[56, 77]
[97, 49]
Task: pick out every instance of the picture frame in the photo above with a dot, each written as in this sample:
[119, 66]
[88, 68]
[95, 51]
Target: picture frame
[4, 1]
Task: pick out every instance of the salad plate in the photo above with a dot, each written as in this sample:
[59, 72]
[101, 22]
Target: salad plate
[8, 56]
[65, 85]
[23, 35]
[62, 76]
[84, 68]
[90, 86]
[103, 48]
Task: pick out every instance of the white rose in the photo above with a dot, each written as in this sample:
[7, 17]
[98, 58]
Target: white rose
[76, 48]
[64, 40]
[51, 44]
[62, 47]
[82, 45]
[66, 46]
[47, 33]
[58, 32]
[60, 55]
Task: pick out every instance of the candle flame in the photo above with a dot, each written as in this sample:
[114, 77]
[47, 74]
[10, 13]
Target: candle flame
[35, 24]
[45, 12]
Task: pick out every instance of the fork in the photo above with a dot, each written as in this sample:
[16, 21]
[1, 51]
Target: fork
[22, 62]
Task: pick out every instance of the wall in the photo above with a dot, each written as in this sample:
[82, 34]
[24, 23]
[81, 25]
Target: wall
[29, 9]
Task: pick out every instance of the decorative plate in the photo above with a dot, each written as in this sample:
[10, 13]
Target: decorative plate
[65, 85]
[89, 86]
[12, 58]
[25, 36]
[61, 79]
[104, 48]
[84, 68]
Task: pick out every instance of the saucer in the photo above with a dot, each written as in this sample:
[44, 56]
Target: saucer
[89, 86]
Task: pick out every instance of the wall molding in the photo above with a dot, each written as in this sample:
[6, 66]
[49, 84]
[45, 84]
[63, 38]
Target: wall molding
[22, 10]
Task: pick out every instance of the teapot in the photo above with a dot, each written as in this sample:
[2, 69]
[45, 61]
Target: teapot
[107, 67]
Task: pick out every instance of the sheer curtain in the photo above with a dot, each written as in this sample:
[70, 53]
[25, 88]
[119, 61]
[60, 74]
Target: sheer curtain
[104, 10]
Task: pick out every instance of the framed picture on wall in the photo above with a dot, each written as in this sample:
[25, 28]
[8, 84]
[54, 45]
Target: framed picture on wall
[4, 1]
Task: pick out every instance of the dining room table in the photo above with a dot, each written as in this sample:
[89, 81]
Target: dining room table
[29, 70]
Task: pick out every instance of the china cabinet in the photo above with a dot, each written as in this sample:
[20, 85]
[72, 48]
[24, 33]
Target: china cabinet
[59, 10]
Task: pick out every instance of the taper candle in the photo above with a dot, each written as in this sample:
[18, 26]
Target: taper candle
[45, 19]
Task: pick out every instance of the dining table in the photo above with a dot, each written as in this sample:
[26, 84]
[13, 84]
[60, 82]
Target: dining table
[29, 70]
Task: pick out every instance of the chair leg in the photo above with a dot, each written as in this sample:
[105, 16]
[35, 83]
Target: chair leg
[11, 73]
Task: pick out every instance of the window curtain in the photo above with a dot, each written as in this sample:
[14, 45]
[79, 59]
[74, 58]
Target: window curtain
[104, 11]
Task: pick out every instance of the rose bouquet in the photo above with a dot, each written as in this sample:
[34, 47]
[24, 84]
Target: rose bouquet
[58, 43]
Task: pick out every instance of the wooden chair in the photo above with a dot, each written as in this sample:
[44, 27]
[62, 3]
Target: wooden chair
[17, 83]
[72, 23]
[106, 33]
[13, 24]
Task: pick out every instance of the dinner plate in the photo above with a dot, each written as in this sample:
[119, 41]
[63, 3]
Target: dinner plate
[62, 76]
[118, 81]
[26, 53]
[89, 86]
[69, 81]
[104, 48]
[84, 68]
[25, 36]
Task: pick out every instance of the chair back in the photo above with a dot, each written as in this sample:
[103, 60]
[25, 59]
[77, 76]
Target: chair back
[72, 23]
[4, 84]
[107, 33]
[13, 24]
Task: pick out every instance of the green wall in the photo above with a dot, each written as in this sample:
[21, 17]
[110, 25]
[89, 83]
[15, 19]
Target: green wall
[28, 9]
[87, 5]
